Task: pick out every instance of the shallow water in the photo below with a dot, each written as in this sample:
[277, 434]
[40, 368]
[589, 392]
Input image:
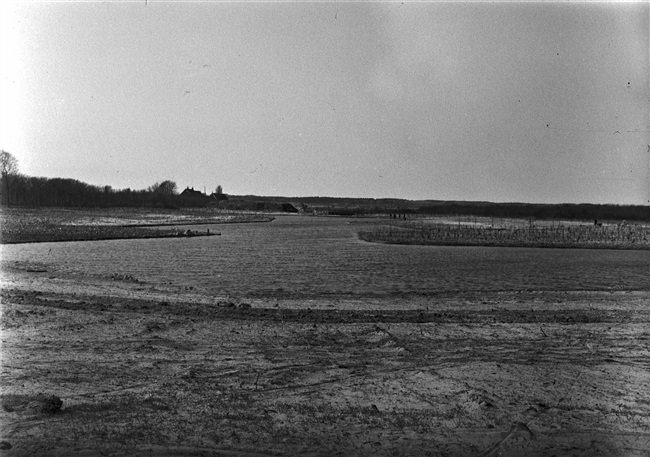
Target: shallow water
[298, 256]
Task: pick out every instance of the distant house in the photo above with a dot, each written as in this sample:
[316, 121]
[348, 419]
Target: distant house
[192, 193]
[218, 197]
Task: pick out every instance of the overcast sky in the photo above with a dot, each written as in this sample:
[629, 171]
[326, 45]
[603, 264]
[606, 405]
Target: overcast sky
[531, 102]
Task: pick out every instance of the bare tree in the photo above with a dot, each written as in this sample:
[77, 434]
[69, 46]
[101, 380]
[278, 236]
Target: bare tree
[167, 188]
[8, 168]
[163, 192]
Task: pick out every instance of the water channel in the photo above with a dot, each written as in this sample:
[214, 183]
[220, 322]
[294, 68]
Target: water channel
[303, 256]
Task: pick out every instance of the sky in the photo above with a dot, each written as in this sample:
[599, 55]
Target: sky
[503, 102]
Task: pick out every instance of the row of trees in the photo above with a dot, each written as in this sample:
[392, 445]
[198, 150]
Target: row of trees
[21, 190]
[30, 191]
[576, 211]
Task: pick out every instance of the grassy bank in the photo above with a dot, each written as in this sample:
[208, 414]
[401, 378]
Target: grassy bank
[512, 234]
[33, 225]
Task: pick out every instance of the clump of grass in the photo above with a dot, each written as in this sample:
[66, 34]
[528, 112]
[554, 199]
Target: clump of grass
[31, 404]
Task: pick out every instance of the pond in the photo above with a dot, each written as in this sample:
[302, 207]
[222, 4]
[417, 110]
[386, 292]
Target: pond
[305, 256]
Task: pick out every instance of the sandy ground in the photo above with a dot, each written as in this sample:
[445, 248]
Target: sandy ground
[146, 369]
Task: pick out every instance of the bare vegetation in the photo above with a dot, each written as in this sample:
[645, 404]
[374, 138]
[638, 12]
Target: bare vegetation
[512, 233]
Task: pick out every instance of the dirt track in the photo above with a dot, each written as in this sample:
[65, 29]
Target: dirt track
[148, 370]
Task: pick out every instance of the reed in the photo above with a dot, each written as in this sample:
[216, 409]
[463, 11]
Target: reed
[515, 234]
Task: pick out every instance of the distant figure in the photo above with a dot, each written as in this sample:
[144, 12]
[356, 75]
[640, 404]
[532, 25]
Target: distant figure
[597, 224]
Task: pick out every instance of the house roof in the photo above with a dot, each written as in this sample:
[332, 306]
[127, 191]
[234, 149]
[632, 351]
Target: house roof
[191, 192]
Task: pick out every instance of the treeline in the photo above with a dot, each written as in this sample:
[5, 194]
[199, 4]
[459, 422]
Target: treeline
[23, 190]
[578, 211]
[62, 192]
[367, 206]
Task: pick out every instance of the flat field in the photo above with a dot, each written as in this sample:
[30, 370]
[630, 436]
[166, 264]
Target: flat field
[146, 369]
[31, 225]
[153, 367]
